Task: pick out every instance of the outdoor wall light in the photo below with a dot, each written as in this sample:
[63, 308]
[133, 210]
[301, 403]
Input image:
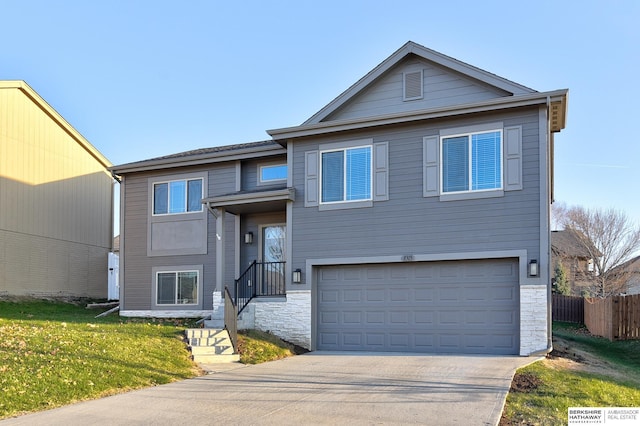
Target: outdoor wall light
[248, 238]
[533, 268]
[297, 276]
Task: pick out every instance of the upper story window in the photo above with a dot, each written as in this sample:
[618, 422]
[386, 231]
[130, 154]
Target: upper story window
[177, 196]
[472, 162]
[272, 173]
[345, 175]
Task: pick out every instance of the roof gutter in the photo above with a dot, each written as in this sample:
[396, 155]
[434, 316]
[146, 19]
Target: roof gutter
[194, 160]
[397, 118]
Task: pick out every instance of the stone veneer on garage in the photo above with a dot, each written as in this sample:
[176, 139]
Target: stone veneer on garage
[291, 319]
[533, 319]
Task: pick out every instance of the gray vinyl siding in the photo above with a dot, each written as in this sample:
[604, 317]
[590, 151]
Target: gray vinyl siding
[250, 173]
[408, 223]
[138, 279]
[441, 87]
[252, 223]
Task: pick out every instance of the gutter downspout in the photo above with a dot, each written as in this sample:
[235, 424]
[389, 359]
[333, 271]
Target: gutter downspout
[548, 284]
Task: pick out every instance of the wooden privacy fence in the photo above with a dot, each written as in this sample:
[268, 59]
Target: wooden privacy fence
[616, 317]
[567, 308]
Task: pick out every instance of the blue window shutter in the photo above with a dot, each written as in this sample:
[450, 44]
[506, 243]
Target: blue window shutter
[381, 171]
[358, 177]
[455, 164]
[513, 158]
[311, 178]
[430, 166]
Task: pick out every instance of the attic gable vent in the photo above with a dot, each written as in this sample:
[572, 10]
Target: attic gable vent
[412, 85]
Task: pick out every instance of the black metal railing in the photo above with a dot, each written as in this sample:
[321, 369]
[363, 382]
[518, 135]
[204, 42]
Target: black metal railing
[261, 279]
[231, 318]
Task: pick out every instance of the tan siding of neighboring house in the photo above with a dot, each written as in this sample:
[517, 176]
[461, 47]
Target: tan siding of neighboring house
[56, 200]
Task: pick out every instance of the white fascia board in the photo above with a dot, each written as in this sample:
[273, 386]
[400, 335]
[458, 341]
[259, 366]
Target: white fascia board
[449, 111]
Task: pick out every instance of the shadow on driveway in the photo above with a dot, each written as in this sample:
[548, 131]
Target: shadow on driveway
[315, 388]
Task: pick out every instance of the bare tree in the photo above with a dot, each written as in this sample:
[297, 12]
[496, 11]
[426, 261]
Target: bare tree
[610, 237]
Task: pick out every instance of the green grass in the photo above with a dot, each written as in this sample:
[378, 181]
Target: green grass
[611, 379]
[256, 347]
[52, 354]
[624, 354]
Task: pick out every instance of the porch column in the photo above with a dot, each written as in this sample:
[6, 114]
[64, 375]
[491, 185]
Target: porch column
[220, 260]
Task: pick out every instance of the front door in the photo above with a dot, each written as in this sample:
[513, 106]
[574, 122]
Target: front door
[273, 255]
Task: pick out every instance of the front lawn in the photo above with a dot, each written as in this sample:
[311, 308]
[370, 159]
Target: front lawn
[53, 354]
[582, 371]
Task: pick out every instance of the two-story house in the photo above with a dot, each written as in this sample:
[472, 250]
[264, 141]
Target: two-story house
[56, 202]
[409, 214]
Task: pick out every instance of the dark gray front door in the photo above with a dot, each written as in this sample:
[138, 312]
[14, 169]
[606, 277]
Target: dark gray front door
[434, 307]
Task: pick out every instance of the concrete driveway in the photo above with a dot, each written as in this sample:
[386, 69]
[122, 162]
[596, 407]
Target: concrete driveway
[316, 388]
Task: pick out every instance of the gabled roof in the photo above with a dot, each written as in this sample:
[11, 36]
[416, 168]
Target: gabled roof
[568, 243]
[631, 266]
[203, 156]
[425, 53]
[517, 96]
[57, 118]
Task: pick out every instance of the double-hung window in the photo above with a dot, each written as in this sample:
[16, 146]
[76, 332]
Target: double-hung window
[472, 162]
[177, 196]
[346, 175]
[177, 288]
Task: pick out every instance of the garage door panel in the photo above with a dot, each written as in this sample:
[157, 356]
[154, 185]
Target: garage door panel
[328, 296]
[352, 296]
[376, 296]
[400, 295]
[438, 307]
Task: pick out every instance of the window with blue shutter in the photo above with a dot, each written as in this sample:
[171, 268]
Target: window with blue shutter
[346, 175]
[472, 162]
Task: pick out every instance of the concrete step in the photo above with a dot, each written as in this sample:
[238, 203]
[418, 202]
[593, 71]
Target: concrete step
[200, 333]
[215, 359]
[212, 350]
[209, 345]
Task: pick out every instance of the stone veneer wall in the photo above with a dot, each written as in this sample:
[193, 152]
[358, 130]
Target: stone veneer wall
[290, 320]
[533, 319]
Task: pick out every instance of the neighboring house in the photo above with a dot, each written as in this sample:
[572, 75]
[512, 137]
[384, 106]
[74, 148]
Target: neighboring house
[578, 262]
[631, 271]
[409, 214]
[56, 202]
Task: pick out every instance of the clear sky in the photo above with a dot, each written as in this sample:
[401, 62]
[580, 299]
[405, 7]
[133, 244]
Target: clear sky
[140, 79]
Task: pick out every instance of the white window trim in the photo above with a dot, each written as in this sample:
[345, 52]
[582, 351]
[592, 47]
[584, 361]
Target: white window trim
[157, 272]
[404, 85]
[186, 199]
[262, 166]
[344, 194]
[470, 182]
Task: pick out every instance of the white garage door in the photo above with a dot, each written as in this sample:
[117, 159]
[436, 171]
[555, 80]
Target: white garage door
[467, 307]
